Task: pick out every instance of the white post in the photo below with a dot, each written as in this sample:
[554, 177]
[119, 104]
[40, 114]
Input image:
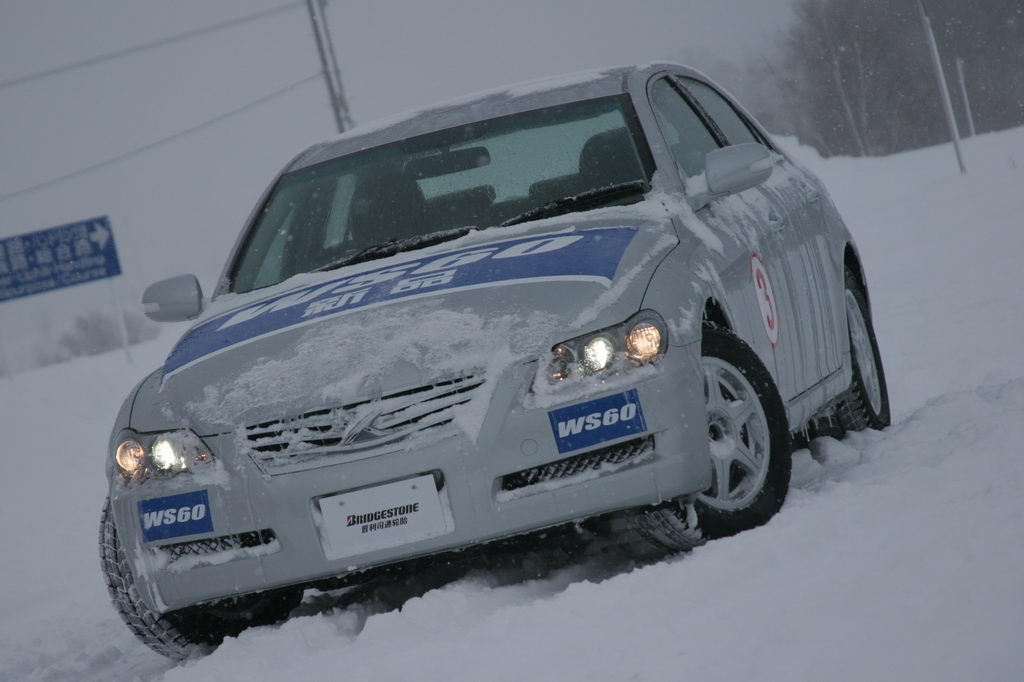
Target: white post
[946, 102]
[963, 93]
[119, 313]
[5, 362]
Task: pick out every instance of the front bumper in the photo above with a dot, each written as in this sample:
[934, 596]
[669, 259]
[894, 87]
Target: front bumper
[267, 530]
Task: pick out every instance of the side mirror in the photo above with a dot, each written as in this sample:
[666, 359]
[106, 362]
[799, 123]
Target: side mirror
[173, 300]
[737, 167]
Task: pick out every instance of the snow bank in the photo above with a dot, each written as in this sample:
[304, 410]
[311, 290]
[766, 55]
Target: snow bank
[898, 558]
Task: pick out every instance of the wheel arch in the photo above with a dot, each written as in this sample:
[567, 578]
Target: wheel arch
[851, 261]
[715, 314]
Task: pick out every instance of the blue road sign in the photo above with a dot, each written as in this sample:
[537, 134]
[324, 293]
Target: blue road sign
[57, 257]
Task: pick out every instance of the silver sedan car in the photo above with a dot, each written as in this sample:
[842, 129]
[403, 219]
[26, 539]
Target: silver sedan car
[605, 301]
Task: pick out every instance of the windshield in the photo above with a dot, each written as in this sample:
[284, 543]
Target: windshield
[477, 175]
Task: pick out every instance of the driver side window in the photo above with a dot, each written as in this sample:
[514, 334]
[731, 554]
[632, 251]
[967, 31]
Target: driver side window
[687, 136]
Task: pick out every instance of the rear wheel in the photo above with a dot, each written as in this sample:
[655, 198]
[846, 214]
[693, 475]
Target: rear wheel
[748, 438]
[866, 404]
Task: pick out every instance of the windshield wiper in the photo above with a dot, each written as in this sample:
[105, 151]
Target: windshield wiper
[592, 197]
[392, 246]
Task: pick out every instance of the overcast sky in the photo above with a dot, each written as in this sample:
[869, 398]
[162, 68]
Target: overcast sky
[179, 207]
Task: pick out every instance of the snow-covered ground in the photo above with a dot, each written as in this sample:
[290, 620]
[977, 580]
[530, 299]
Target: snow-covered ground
[899, 555]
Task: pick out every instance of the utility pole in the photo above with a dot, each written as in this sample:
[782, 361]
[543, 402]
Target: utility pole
[329, 64]
[963, 94]
[946, 102]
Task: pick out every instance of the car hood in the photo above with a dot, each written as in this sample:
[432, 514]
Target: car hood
[473, 306]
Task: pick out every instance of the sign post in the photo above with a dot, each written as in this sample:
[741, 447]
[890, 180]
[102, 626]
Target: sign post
[58, 257]
[121, 327]
[6, 369]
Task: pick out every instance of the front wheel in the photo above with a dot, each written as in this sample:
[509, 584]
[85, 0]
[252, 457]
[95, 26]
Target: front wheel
[160, 633]
[748, 438]
[187, 632]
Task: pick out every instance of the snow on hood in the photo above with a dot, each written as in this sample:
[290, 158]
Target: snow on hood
[379, 352]
[359, 333]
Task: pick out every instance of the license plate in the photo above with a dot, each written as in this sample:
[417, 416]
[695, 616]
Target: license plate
[383, 516]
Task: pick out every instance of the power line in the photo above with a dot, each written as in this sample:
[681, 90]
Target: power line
[149, 46]
[157, 143]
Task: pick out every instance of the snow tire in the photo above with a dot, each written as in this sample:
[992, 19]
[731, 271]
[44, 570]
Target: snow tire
[157, 632]
[748, 435]
[669, 528]
[866, 403]
[190, 631]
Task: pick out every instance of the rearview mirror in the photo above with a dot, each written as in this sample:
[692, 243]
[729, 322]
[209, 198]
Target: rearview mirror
[445, 163]
[173, 300]
[737, 167]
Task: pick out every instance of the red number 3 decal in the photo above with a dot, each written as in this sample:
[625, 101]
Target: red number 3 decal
[765, 298]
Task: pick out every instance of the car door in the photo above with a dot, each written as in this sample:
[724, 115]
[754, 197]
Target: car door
[796, 232]
[802, 195]
[751, 268]
[809, 262]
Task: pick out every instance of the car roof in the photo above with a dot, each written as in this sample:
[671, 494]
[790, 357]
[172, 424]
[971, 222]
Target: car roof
[511, 99]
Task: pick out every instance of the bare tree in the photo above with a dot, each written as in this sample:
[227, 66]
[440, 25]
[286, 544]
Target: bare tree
[852, 76]
[94, 332]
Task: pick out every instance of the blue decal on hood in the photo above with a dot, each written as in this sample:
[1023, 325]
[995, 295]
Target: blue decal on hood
[175, 515]
[595, 421]
[592, 254]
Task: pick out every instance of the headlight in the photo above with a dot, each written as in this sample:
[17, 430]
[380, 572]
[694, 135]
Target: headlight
[129, 456]
[643, 341]
[597, 354]
[639, 340]
[561, 362]
[164, 454]
[169, 455]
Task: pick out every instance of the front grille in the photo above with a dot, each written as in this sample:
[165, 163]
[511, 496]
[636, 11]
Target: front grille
[283, 443]
[595, 460]
[197, 548]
